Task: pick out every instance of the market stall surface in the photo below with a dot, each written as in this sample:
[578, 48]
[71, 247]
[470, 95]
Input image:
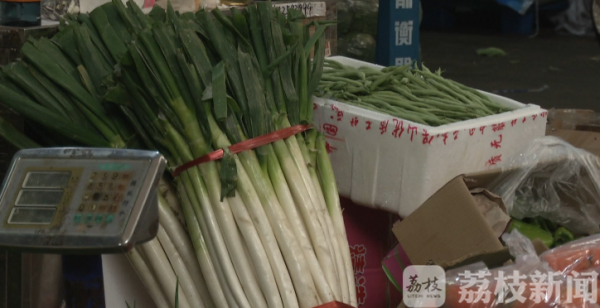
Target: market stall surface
[558, 71]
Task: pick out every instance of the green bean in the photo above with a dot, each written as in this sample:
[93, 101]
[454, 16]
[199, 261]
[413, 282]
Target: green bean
[385, 77]
[346, 74]
[334, 64]
[370, 71]
[347, 80]
[398, 101]
[446, 89]
[452, 86]
[416, 80]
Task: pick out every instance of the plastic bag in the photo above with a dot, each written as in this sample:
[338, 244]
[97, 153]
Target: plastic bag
[580, 255]
[55, 9]
[529, 282]
[552, 179]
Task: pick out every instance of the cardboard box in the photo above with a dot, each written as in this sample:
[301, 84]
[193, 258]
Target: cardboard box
[579, 127]
[370, 239]
[448, 230]
[394, 164]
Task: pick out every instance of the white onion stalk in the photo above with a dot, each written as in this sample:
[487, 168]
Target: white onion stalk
[336, 247]
[182, 243]
[273, 227]
[217, 210]
[262, 267]
[148, 279]
[309, 214]
[159, 263]
[186, 282]
[170, 195]
[212, 271]
[291, 211]
[207, 218]
[332, 199]
[224, 215]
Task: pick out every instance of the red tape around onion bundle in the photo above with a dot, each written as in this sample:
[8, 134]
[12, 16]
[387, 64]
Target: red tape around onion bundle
[245, 146]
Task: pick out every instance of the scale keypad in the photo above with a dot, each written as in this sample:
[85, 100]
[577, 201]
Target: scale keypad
[105, 194]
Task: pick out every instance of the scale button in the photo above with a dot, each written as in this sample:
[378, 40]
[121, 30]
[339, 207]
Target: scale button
[77, 218]
[126, 176]
[96, 196]
[105, 197]
[118, 197]
[105, 176]
[112, 208]
[99, 218]
[110, 218]
[100, 186]
[115, 175]
[133, 183]
[121, 187]
[81, 207]
[102, 208]
[111, 186]
[88, 218]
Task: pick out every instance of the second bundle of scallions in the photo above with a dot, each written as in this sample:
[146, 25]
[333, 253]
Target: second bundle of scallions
[262, 228]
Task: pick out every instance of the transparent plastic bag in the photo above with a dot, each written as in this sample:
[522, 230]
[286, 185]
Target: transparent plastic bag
[55, 9]
[579, 256]
[530, 281]
[552, 179]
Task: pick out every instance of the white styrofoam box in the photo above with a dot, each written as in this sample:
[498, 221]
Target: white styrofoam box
[394, 164]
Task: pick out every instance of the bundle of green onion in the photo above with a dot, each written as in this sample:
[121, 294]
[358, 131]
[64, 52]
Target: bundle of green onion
[262, 228]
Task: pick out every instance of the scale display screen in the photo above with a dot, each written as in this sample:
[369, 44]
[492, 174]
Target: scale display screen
[73, 198]
[47, 179]
[39, 197]
[36, 216]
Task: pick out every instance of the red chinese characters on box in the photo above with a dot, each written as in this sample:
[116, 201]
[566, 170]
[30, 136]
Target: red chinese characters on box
[399, 129]
[330, 129]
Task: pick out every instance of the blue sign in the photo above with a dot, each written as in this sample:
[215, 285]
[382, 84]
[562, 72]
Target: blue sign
[398, 32]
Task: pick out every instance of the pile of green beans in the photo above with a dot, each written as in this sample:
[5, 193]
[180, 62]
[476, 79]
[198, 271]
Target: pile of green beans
[407, 92]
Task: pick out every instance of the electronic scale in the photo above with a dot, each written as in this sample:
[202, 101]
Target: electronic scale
[80, 200]
[86, 204]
